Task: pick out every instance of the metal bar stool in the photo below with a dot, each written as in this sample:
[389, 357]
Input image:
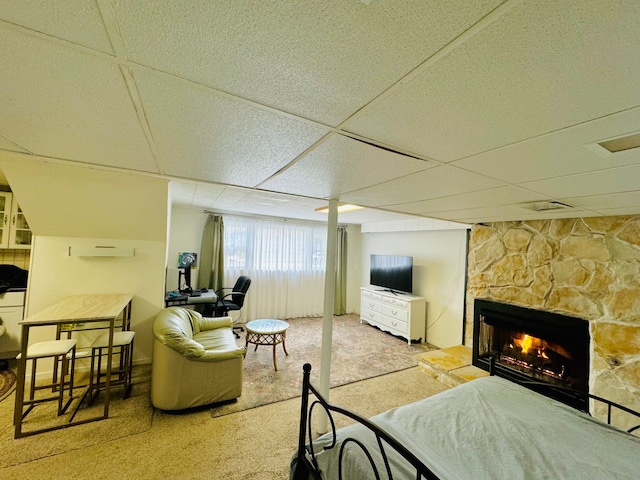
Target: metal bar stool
[64, 352]
[122, 346]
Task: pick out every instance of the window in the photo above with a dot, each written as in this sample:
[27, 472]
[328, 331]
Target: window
[273, 246]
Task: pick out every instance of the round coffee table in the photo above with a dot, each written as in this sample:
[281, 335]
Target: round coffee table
[267, 331]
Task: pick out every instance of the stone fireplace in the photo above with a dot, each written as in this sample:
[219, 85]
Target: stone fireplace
[586, 268]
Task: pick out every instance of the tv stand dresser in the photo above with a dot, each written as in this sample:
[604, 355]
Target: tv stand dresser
[397, 313]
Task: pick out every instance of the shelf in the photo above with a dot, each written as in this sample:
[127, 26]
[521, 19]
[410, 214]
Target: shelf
[102, 251]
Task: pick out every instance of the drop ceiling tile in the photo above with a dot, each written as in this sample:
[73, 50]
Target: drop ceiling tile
[610, 201]
[435, 182]
[68, 105]
[341, 164]
[573, 150]
[6, 144]
[507, 213]
[493, 197]
[321, 60]
[613, 180]
[540, 67]
[77, 21]
[206, 136]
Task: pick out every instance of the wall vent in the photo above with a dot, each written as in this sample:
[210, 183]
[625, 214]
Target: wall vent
[547, 206]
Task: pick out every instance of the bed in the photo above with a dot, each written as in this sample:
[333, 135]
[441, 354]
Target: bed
[488, 428]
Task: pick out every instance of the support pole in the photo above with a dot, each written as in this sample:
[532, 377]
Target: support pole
[329, 294]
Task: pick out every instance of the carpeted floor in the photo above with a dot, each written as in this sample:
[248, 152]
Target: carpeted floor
[255, 444]
[126, 417]
[359, 351]
[237, 431]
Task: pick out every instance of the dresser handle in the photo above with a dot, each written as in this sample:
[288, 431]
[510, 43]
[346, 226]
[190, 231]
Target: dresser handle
[394, 313]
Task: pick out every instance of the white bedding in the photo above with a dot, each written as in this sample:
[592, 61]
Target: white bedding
[491, 428]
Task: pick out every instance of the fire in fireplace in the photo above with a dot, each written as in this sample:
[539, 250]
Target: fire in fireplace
[527, 345]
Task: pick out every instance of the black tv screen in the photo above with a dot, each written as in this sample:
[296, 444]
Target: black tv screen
[392, 272]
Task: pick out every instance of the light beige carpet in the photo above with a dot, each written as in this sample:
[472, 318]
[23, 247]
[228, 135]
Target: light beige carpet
[255, 444]
[359, 351]
[126, 417]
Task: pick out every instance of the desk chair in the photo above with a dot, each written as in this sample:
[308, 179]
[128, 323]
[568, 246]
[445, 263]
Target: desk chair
[122, 346]
[233, 300]
[64, 351]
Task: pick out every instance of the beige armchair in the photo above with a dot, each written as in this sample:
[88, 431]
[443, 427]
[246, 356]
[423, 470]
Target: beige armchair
[196, 360]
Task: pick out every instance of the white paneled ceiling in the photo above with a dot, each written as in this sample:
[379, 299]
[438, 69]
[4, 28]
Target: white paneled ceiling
[467, 111]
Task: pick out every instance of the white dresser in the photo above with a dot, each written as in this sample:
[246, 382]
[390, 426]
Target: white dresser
[399, 314]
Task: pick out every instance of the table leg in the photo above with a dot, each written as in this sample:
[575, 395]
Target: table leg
[275, 365]
[21, 379]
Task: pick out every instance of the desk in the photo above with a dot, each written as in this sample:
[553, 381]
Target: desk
[73, 309]
[205, 298]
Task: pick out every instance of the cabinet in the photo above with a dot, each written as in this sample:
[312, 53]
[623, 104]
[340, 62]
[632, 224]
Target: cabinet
[398, 314]
[14, 230]
[11, 312]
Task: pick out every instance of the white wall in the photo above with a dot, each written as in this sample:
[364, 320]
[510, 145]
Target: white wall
[57, 275]
[438, 275]
[185, 235]
[71, 205]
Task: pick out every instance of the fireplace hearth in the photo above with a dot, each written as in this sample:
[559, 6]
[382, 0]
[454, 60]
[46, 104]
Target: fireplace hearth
[527, 345]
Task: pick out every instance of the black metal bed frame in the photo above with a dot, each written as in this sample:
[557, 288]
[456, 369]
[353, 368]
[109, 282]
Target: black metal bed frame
[307, 466]
[304, 465]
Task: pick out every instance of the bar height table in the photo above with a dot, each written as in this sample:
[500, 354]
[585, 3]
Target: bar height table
[73, 309]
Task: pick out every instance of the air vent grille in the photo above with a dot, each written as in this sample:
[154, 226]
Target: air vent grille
[623, 143]
[547, 206]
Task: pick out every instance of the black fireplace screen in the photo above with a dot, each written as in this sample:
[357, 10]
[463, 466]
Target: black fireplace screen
[525, 344]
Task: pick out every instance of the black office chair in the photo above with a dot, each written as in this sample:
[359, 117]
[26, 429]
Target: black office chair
[233, 300]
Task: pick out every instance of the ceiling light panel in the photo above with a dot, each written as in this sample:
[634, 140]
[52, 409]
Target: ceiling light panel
[341, 164]
[203, 135]
[313, 59]
[503, 85]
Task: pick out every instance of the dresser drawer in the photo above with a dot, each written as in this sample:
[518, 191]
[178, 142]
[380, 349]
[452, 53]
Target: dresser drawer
[371, 315]
[370, 304]
[397, 302]
[396, 313]
[396, 324]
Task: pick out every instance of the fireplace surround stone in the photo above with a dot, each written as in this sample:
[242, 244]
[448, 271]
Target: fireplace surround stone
[583, 267]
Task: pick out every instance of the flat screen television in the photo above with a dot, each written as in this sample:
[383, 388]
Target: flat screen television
[392, 272]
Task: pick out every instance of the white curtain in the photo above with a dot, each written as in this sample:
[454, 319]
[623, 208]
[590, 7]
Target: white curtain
[285, 261]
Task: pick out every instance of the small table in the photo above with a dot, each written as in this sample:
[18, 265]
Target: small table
[72, 310]
[267, 332]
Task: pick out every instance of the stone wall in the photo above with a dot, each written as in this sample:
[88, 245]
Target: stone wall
[583, 267]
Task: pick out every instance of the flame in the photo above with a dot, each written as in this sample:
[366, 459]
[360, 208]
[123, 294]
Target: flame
[527, 343]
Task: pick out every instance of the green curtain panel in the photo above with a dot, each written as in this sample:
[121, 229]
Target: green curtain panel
[340, 296]
[211, 274]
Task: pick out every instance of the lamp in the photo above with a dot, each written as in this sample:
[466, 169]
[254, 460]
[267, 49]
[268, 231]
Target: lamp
[343, 207]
